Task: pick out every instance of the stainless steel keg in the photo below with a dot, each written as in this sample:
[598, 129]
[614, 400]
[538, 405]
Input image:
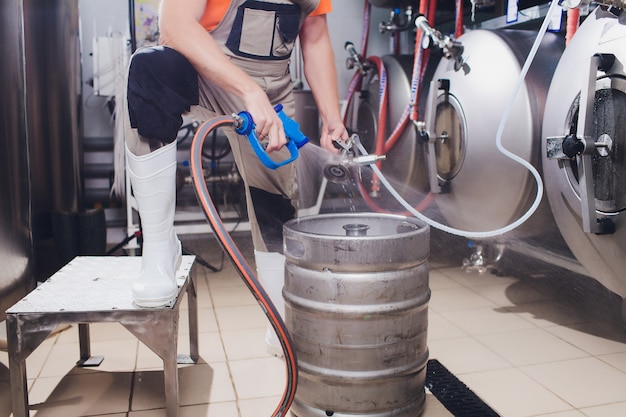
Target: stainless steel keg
[356, 298]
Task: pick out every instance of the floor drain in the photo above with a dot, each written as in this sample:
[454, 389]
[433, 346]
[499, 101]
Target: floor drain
[454, 394]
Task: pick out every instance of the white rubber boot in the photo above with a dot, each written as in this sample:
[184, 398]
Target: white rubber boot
[270, 267]
[153, 180]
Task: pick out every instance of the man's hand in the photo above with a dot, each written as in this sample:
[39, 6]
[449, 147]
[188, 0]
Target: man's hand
[332, 131]
[268, 125]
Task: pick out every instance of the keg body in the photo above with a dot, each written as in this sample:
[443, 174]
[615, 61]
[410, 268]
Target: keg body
[356, 299]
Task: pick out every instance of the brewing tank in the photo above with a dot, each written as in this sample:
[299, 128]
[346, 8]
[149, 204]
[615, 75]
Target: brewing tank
[356, 295]
[39, 143]
[481, 188]
[16, 247]
[603, 196]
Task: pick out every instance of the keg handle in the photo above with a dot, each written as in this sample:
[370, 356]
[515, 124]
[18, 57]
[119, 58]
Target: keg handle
[293, 247]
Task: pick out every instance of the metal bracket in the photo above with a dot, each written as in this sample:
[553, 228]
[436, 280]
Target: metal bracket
[584, 130]
[583, 146]
[426, 129]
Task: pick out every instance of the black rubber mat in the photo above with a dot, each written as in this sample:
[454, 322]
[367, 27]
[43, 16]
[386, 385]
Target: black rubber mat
[453, 394]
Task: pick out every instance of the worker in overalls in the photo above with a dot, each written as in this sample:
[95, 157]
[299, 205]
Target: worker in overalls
[218, 57]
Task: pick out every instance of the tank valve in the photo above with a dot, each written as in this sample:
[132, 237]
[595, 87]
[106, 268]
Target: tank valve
[572, 146]
[356, 59]
[451, 48]
[399, 21]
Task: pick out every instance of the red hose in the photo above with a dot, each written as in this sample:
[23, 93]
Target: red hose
[383, 95]
[239, 261]
[458, 27]
[358, 77]
[430, 8]
[573, 16]
[384, 144]
[365, 33]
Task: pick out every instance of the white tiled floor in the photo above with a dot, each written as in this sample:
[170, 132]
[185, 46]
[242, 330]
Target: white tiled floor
[527, 345]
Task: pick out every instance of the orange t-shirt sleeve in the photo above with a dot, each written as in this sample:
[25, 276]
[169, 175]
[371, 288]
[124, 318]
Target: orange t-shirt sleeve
[215, 11]
[324, 7]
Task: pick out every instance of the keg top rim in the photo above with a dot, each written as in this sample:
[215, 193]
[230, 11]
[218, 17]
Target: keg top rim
[376, 225]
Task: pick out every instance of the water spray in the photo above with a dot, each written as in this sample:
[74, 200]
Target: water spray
[338, 172]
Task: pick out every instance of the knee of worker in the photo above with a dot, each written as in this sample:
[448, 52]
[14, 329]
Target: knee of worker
[270, 268]
[162, 86]
[271, 212]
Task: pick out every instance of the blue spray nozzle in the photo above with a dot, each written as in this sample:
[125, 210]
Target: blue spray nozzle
[244, 125]
[295, 138]
[291, 128]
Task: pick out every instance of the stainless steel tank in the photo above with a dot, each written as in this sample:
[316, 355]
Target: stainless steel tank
[356, 296]
[405, 164]
[481, 188]
[39, 147]
[53, 97]
[16, 246]
[592, 186]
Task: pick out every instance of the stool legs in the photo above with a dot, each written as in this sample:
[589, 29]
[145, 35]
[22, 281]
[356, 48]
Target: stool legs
[157, 328]
[24, 334]
[159, 332]
[192, 303]
[17, 370]
[84, 340]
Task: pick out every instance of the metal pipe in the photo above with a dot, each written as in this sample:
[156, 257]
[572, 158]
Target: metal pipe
[570, 4]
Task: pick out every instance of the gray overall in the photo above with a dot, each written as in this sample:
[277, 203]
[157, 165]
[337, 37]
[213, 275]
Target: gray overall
[258, 36]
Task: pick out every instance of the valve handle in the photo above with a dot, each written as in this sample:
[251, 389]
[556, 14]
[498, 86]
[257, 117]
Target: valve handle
[295, 138]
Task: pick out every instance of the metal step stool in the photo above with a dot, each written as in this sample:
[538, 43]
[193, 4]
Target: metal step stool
[95, 289]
